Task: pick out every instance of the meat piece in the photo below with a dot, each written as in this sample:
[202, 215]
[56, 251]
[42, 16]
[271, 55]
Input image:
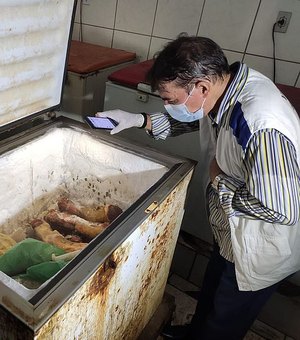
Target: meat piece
[90, 230]
[21, 233]
[73, 238]
[80, 225]
[103, 213]
[60, 220]
[45, 233]
[8, 241]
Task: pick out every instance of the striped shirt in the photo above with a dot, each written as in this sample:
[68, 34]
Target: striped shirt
[271, 187]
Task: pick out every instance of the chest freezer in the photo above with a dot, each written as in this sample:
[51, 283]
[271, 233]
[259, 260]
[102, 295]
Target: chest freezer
[88, 68]
[112, 287]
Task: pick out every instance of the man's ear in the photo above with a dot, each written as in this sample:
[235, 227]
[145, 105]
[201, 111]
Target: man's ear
[203, 85]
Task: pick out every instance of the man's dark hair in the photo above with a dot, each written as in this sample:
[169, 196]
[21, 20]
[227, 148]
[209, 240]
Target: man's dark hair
[186, 60]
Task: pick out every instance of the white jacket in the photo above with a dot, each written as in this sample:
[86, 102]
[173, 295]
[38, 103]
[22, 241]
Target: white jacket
[264, 253]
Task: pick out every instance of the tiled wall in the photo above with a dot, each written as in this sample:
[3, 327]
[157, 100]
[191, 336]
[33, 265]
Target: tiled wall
[243, 28]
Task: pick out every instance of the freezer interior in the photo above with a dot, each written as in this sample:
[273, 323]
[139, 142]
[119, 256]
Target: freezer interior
[70, 162]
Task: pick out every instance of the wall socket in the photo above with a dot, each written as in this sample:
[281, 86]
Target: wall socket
[283, 20]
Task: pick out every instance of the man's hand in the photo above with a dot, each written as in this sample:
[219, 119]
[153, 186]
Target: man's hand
[124, 119]
[214, 169]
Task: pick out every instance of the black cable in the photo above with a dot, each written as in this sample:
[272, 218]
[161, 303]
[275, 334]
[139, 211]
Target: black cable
[80, 22]
[280, 23]
[274, 58]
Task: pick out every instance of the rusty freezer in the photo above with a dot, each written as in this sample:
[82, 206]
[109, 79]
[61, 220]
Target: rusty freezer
[112, 288]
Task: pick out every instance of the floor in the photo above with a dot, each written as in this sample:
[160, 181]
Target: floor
[183, 290]
[280, 317]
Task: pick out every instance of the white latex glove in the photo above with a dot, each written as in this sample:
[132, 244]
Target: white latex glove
[124, 119]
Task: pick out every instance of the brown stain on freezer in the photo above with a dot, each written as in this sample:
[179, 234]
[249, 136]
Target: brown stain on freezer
[102, 278]
[104, 281]
[162, 241]
[157, 261]
[97, 290]
[158, 257]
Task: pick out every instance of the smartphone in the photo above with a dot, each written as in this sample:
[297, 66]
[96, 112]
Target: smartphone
[101, 123]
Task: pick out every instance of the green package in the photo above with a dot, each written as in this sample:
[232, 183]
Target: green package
[25, 254]
[43, 271]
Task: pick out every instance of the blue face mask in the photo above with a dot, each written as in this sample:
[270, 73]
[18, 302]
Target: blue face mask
[180, 111]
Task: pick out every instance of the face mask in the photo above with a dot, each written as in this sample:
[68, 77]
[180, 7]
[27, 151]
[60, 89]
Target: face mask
[180, 111]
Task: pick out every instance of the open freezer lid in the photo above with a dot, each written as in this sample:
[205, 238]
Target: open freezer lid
[34, 43]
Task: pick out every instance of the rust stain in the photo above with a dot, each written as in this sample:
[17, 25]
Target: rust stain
[157, 260]
[96, 294]
[102, 277]
[154, 214]
[160, 244]
[97, 290]
[50, 326]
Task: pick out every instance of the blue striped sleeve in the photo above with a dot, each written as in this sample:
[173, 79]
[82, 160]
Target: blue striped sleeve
[271, 188]
[163, 126]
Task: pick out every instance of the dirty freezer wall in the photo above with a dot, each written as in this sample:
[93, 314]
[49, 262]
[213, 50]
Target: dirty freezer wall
[73, 162]
[119, 299]
[116, 298]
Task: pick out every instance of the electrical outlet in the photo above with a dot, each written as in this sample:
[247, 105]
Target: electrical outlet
[142, 97]
[86, 2]
[283, 20]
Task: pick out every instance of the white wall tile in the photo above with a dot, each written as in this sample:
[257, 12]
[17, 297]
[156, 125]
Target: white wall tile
[286, 73]
[232, 57]
[228, 22]
[156, 45]
[97, 35]
[135, 16]
[99, 13]
[287, 44]
[133, 43]
[176, 16]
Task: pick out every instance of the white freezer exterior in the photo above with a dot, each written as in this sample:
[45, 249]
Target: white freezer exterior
[84, 93]
[123, 269]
